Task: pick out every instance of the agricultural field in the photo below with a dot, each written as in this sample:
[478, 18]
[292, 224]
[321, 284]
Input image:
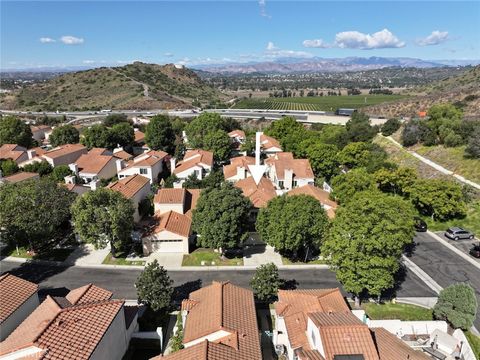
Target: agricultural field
[317, 103]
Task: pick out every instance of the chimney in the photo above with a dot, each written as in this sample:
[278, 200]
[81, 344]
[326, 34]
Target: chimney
[119, 165]
[70, 179]
[288, 184]
[94, 184]
[241, 172]
[74, 168]
[31, 154]
[172, 164]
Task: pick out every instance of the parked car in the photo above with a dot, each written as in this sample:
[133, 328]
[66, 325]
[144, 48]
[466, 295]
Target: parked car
[457, 233]
[475, 251]
[420, 225]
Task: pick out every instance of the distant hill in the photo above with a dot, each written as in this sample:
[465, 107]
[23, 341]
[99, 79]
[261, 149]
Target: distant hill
[133, 86]
[462, 89]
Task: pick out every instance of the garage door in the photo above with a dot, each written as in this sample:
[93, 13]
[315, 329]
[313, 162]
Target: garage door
[166, 246]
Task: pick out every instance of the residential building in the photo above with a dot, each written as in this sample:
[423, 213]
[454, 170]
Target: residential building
[238, 168]
[135, 188]
[64, 154]
[86, 324]
[318, 324]
[259, 194]
[39, 132]
[14, 152]
[148, 164]
[237, 138]
[95, 165]
[269, 145]
[18, 177]
[18, 299]
[287, 173]
[321, 195]
[139, 137]
[122, 154]
[182, 201]
[195, 162]
[219, 322]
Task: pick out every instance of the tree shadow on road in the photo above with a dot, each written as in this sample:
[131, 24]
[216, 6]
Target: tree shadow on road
[400, 277]
[36, 272]
[182, 291]
[291, 284]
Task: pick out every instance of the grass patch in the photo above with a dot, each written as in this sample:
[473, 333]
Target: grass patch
[209, 256]
[390, 311]
[57, 254]
[452, 159]
[316, 103]
[287, 261]
[470, 222]
[121, 260]
[474, 343]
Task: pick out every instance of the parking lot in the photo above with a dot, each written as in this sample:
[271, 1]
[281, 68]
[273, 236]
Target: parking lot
[462, 245]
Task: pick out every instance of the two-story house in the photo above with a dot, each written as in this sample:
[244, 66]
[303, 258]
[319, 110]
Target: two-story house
[148, 164]
[287, 173]
[135, 188]
[195, 162]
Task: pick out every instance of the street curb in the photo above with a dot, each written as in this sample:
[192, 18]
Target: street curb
[454, 249]
[432, 284]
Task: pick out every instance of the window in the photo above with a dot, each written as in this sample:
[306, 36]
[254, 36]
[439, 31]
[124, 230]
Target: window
[143, 171]
[165, 241]
[312, 335]
[295, 183]
[280, 184]
[197, 173]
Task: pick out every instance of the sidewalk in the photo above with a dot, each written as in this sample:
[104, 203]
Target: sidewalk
[86, 254]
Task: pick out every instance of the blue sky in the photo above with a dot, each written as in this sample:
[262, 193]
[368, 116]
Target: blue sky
[94, 33]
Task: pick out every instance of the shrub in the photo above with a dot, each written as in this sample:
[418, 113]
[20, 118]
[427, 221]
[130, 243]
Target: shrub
[457, 304]
[391, 126]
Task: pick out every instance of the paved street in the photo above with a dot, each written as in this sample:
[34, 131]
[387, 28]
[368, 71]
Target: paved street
[444, 266]
[121, 281]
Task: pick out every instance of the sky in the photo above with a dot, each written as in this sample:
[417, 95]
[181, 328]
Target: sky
[96, 33]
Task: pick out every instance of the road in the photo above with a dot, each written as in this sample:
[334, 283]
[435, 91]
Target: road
[53, 279]
[444, 266]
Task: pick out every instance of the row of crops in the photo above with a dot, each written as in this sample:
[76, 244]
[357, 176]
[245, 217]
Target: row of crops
[277, 105]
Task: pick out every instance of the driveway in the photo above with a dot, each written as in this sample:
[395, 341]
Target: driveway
[256, 255]
[168, 260]
[462, 245]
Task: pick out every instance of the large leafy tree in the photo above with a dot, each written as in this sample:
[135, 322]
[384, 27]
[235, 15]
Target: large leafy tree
[59, 172]
[266, 282]
[202, 125]
[154, 287]
[8, 167]
[159, 134]
[66, 134]
[40, 167]
[34, 213]
[458, 305]
[122, 134]
[363, 154]
[345, 186]
[333, 134]
[440, 199]
[221, 217]
[15, 131]
[359, 128]
[366, 241]
[289, 132]
[98, 136]
[397, 181]
[473, 146]
[294, 225]
[390, 126]
[114, 119]
[323, 158]
[104, 217]
[219, 143]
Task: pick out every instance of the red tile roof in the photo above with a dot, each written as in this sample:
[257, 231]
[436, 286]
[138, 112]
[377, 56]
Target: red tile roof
[284, 161]
[171, 221]
[187, 197]
[259, 194]
[88, 293]
[11, 151]
[64, 150]
[241, 161]
[193, 158]
[122, 154]
[21, 176]
[14, 291]
[139, 136]
[93, 163]
[129, 185]
[237, 133]
[321, 195]
[269, 142]
[392, 348]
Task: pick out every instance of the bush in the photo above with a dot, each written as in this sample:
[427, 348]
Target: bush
[265, 282]
[457, 304]
[452, 140]
[391, 126]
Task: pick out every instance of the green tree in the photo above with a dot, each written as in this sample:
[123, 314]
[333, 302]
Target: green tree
[345, 186]
[473, 147]
[221, 217]
[293, 225]
[366, 241]
[203, 124]
[359, 128]
[440, 199]
[8, 167]
[390, 126]
[219, 143]
[289, 132]
[59, 172]
[334, 134]
[104, 217]
[177, 338]
[34, 213]
[114, 119]
[98, 136]
[265, 282]
[40, 167]
[65, 134]
[15, 131]
[323, 158]
[458, 305]
[154, 287]
[396, 181]
[159, 134]
[122, 134]
[363, 154]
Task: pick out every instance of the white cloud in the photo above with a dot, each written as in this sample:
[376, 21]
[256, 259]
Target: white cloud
[357, 40]
[168, 54]
[71, 40]
[271, 46]
[46, 40]
[435, 38]
[273, 51]
[315, 43]
[263, 8]
[89, 61]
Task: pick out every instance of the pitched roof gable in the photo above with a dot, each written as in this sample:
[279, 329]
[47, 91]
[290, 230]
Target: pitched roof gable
[14, 292]
[259, 194]
[129, 185]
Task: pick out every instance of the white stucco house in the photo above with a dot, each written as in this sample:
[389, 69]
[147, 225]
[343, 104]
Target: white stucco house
[287, 173]
[135, 188]
[148, 164]
[198, 162]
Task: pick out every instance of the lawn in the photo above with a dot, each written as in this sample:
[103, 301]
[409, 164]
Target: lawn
[57, 254]
[208, 255]
[470, 222]
[390, 311]
[316, 103]
[287, 261]
[121, 260]
[452, 159]
[474, 343]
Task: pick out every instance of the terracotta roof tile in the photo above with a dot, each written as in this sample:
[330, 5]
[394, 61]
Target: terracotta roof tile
[170, 196]
[129, 185]
[321, 195]
[88, 293]
[147, 159]
[392, 348]
[269, 142]
[93, 163]
[284, 161]
[64, 149]
[193, 158]
[241, 161]
[309, 355]
[14, 291]
[139, 136]
[21, 176]
[122, 154]
[99, 151]
[11, 151]
[259, 194]
[170, 221]
[237, 133]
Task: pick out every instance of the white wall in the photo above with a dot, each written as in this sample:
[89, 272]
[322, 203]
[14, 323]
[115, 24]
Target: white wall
[165, 235]
[65, 159]
[318, 345]
[409, 327]
[17, 317]
[115, 341]
[137, 198]
[210, 337]
[185, 174]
